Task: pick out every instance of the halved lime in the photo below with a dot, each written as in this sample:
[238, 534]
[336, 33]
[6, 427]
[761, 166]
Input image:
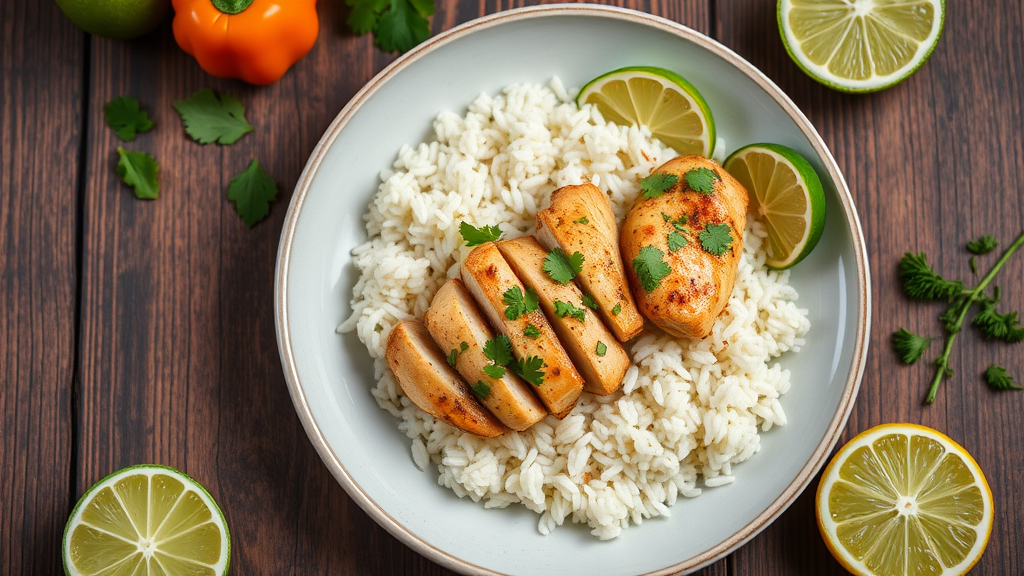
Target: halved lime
[657, 98]
[146, 520]
[786, 194]
[860, 45]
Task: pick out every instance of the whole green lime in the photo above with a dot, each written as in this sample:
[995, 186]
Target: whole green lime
[117, 19]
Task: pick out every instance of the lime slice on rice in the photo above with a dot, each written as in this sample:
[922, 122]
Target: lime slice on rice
[860, 45]
[657, 98]
[146, 520]
[786, 194]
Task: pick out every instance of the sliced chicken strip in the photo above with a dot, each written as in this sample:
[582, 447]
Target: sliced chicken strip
[580, 219]
[489, 278]
[459, 329]
[593, 348]
[433, 385]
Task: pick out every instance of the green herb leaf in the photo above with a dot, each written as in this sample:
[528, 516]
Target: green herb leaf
[715, 238]
[531, 331]
[518, 303]
[997, 378]
[365, 14]
[499, 350]
[476, 236]
[453, 356]
[139, 170]
[562, 268]
[582, 220]
[922, 283]
[480, 389]
[589, 302]
[657, 184]
[563, 309]
[617, 309]
[530, 369]
[974, 265]
[494, 371]
[992, 324]
[650, 268]
[208, 119]
[602, 349]
[403, 25]
[666, 217]
[680, 224]
[126, 118]
[982, 245]
[252, 191]
[702, 180]
[676, 241]
[909, 346]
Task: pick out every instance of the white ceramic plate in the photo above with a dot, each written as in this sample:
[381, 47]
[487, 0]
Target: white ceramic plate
[330, 376]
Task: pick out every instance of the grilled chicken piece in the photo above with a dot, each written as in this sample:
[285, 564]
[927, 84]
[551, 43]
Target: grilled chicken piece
[580, 219]
[488, 277]
[433, 385]
[594, 350]
[454, 321]
[690, 297]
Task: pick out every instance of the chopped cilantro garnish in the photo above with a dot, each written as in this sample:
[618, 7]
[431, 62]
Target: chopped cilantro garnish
[453, 356]
[589, 302]
[716, 238]
[494, 371]
[617, 309]
[480, 389]
[701, 180]
[657, 184]
[476, 236]
[563, 309]
[602, 349]
[676, 241]
[562, 268]
[531, 331]
[519, 304]
[582, 220]
[499, 350]
[529, 369]
[650, 268]
[666, 217]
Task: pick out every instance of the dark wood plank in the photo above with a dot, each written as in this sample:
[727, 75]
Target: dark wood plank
[931, 163]
[40, 129]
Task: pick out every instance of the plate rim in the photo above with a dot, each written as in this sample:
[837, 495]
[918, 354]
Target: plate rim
[282, 267]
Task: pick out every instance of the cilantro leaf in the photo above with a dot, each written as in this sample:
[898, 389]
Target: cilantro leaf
[657, 184]
[715, 238]
[494, 371]
[252, 191]
[499, 350]
[480, 389]
[139, 170]
[589, 302]
[650, 268]
[602, 349]
[909, 346]
[519, 304]
[365, 14]
[208, 119]
[562, 268]
[476, 236]
[529, 369]
[617, 309]
[453, 356]
[992, 324]
[531, 331]
[563, 309]
[996, 377]
[676, 241]
[680, 224]
[582, 220]
[666, 217]
[922, 283]
[125, 118]
[982, 245]
[403, 26]
[702, 180]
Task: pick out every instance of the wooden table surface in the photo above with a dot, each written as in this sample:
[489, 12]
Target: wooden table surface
[137, 332]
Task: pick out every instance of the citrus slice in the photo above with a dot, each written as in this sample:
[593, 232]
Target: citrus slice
[860, 45]
[146, 520]
[786, 194]
[657, 98]
[904, 499]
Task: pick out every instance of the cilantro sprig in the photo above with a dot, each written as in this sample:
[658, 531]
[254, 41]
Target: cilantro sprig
[676, 241]
[476, 236]
[208, 119]
[252, 191]
[139, 170]
[397, 25]
[657, 184]
[562, 268]
[519, 304]
[650, 268]
[126, 118]
[702, 180]
[530, 369]
[499, 351]
[716, 238]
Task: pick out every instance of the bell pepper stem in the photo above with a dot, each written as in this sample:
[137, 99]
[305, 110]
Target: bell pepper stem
[231, 6]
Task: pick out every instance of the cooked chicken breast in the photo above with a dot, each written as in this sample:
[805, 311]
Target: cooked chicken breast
[592, 347]
[580, 219]
[687, 300]
[458, 328]
[501, 295]
[433, 385]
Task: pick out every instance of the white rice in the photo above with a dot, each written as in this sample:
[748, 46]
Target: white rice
[688, 409]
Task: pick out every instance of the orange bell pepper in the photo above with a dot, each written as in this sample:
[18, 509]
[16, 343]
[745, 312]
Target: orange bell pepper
[253, 40]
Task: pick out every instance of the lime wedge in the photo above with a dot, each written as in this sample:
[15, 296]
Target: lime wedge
[786, 195]
[860, 45]
[146, 520]
[657, 98]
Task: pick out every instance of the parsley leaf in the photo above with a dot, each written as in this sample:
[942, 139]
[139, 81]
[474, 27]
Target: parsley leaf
[922, 283]
[617, 309]
[476, 236]
[531, 331]
[480, 389]
[499, 350]
[676, 241]
[139, 170]
[494, 371]
[453, 356]
[702, 180]
[404, 25]
[996, 377]
[982, 245]
[208, 119]
[125, 118]
[589, 302]
[365, 14]
[563, 309]
[998, 326]
[582, 220]
[715, 238]
[650, 268]
[602, 349]
[909, 346]
[657, 184]
[562, 268]
[252, 191]
[529, 369]
[518, 304]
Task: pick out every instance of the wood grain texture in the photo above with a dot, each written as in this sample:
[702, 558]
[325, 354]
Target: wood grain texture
[41, 89]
